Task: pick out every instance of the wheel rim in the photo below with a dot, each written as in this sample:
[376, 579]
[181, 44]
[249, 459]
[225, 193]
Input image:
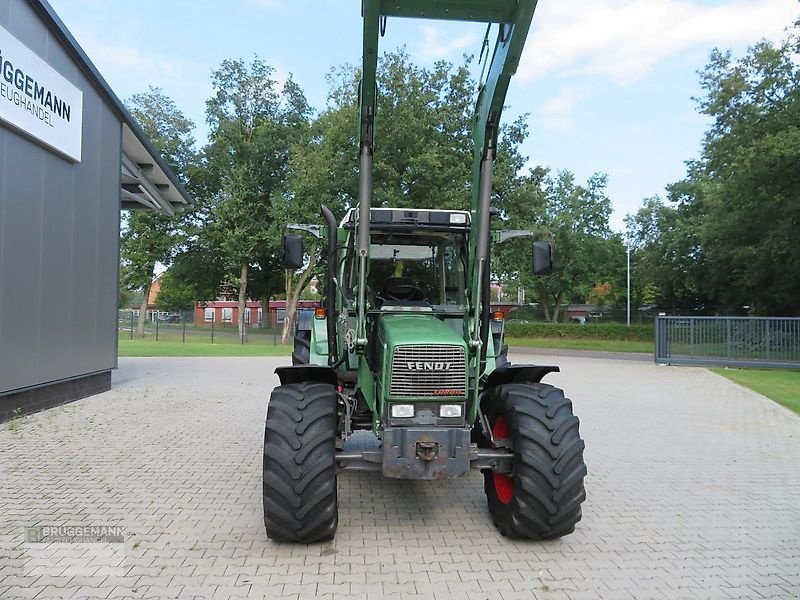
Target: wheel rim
[503, 484]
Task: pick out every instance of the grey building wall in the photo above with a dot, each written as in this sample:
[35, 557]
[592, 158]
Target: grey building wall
[59, 236]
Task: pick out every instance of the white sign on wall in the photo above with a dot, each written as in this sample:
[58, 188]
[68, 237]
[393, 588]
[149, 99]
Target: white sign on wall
[38, 100]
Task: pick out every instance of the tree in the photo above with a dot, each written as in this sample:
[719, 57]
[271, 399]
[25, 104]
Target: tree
[666, 256]
[254, 124]
[169, 130]
[603, 294]
[742, 193]
[149, 237]
[126, 297]
[585, 251]
[423, 147]
[173, 295]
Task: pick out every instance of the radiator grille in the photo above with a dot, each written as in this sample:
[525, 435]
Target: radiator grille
[428, 371]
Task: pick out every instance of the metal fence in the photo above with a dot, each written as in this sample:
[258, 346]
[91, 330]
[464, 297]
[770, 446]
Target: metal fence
[182, 328]
[768, 342]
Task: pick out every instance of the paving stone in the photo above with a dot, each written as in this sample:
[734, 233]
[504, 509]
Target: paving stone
[689, 495]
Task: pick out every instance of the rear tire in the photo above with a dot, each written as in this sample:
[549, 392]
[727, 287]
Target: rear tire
[301, 351]
[542, 498]
[501, 361]
[299, 488]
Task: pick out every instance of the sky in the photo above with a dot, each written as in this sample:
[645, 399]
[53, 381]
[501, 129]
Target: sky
[608, 84]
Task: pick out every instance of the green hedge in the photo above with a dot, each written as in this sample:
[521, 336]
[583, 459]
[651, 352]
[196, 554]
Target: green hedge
[597, 331]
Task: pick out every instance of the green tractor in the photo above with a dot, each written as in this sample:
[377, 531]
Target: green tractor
[407, 347]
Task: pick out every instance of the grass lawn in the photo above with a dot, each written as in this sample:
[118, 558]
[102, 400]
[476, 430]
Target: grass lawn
[260, 345]
[221, 347]
[781, 386]
[583, 344]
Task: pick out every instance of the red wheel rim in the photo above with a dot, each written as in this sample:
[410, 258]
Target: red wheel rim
[503, 484]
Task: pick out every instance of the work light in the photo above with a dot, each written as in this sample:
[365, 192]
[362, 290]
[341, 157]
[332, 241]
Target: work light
[402, 411]
[450, 411]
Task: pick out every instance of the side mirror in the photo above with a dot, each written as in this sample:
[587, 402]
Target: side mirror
[542, 258]
[292, 252]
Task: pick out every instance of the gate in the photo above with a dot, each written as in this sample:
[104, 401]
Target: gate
[767, 342]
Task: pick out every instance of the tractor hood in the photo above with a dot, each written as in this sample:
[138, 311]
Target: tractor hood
[412, 329]
[421, 357]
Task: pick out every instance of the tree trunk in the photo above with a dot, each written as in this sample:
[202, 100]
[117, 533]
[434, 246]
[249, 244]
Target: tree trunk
[556, 307]
[293, 295]
[143, 311]
[243, 303]
[265, 316]
[287, 326]
[546, 309]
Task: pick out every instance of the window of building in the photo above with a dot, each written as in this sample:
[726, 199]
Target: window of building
[209, 315]
[227, 315]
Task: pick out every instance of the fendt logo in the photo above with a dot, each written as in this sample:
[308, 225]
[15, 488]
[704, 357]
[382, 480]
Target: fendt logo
[429, 366]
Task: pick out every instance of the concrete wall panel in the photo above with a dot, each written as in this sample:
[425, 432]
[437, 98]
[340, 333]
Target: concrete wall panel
[59, 235]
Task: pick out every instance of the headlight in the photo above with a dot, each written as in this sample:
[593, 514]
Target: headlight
[450, 411]
[402, 411]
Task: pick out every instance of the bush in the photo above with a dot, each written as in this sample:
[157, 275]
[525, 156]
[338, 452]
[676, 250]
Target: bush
[596, 331]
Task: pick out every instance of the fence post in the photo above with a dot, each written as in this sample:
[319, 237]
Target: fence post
[657, 353]
[131, 325]
[183, 321]
[767, 336]
[157, 320]
[213, 316]
[729, 340]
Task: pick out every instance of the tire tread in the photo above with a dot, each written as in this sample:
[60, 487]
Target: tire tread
[549, 469]
[299, 489]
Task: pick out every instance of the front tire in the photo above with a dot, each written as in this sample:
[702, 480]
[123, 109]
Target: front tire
[542, 497]
[299, 487]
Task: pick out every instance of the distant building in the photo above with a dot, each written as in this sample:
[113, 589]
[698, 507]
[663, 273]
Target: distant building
[226, 312]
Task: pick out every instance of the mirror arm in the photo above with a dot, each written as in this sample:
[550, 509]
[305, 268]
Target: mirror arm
[315, 230]
[498, 237]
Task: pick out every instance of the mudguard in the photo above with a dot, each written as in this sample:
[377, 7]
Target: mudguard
[305, 373]
[518, 374]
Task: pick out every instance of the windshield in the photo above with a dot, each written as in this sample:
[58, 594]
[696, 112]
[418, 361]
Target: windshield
[414, 269]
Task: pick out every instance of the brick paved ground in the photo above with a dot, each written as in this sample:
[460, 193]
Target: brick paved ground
[693, 492]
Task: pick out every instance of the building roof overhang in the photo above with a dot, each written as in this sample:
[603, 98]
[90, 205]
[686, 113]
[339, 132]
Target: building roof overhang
[147, 182]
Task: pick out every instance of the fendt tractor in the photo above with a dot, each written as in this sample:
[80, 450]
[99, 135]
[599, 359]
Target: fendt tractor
[406, 344]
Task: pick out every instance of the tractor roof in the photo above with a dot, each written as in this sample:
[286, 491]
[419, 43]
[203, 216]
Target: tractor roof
[410, 217]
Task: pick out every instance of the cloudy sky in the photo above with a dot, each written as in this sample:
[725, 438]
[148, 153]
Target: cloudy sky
[608, 84]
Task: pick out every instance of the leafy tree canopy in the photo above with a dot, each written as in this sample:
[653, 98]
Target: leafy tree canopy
[748, 179]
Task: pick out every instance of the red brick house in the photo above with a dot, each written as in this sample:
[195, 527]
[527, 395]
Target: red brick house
[226, 312]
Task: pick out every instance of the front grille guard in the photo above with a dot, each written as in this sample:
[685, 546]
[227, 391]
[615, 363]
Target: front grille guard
[428, 371]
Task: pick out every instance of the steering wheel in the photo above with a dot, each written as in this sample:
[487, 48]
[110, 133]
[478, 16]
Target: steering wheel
[400, 289]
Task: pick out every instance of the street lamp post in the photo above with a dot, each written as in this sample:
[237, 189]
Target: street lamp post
[629, 284]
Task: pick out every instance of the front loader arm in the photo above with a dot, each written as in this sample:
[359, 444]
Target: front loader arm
[491, 97]
[513, 19]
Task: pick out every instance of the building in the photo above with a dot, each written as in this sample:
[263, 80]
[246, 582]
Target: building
[71, 158]
[224, 312]
[153, 313]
